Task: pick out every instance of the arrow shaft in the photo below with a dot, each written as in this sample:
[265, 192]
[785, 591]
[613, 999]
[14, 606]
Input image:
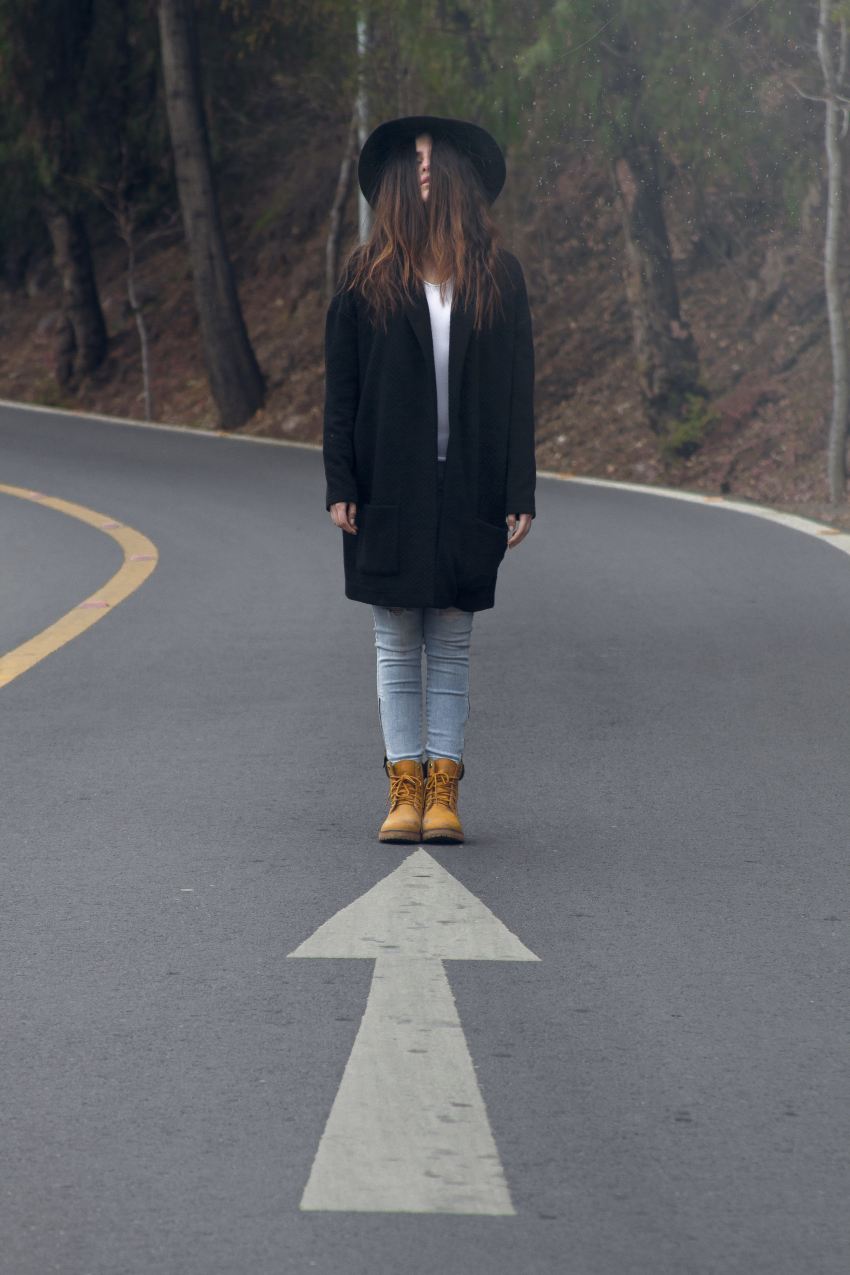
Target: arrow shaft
[408, 1130]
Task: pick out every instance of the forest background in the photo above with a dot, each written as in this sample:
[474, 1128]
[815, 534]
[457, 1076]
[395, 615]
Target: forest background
[178, 188]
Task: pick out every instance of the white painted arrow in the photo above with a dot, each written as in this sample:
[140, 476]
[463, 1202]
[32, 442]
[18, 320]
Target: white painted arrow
[408, 1131]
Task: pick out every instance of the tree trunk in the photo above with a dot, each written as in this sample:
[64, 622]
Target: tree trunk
[667, 358]
[364, 212]
[127, 233]
[84, 338]
[234, 376]
[835, 130]
[342, 188]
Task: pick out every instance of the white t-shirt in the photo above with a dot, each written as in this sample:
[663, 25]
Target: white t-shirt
[441, 313]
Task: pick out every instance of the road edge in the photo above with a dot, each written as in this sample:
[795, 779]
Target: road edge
[821, 531]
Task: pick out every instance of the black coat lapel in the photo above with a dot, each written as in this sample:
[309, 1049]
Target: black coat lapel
[460, 331]
[420, 320]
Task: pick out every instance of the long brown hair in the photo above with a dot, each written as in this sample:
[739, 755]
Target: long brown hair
[453, 226]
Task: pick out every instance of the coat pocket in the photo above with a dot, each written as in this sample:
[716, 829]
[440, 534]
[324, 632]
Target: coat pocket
[483, 549]
[377, 540]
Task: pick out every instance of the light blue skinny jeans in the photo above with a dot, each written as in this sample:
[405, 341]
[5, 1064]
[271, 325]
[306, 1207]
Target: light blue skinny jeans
[400, 633]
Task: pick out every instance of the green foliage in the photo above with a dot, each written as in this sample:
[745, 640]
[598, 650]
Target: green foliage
[259, 55]
[687, 72]
[683, 435]
[81, 97]
[131, 151]
[455, 59]
[80, 79]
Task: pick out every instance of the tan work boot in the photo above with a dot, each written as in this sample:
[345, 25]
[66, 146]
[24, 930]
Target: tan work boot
[407, 796]
[440, 821]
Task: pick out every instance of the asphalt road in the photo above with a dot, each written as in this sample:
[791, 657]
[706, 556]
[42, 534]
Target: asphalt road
[656, 803]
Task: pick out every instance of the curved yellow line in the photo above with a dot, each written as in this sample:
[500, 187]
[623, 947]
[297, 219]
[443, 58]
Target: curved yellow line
[140, 558]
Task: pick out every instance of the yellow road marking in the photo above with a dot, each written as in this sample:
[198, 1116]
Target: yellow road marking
[140, 558]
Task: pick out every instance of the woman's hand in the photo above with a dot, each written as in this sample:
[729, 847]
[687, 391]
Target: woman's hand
[519, 529]
[344, 516]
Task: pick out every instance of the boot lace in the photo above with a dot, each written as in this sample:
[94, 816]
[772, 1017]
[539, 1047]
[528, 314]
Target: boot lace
[441, 789]
[403, 788]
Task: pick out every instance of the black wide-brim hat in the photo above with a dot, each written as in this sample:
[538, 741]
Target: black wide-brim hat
[472, 140]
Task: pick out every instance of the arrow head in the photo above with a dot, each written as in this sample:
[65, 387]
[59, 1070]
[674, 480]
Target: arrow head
[419, 911]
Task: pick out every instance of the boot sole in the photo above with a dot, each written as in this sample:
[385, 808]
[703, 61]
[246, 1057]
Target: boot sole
[403, 838]
[438, 834]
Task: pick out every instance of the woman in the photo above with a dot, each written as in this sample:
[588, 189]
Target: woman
[428, 439]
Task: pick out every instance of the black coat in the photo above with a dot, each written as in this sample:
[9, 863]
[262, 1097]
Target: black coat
[380, 446]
